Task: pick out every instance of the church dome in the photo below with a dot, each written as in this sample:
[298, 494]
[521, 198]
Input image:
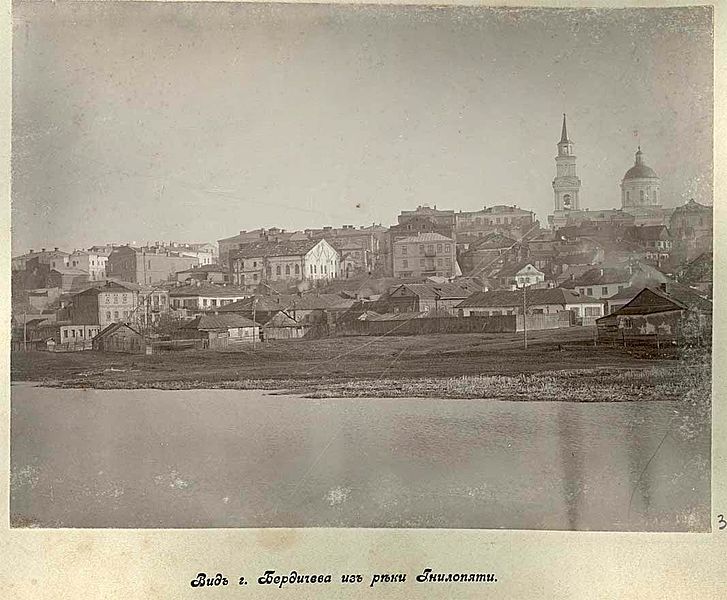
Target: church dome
[640, 170]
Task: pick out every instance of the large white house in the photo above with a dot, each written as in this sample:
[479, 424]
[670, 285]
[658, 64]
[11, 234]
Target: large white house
[292, 260]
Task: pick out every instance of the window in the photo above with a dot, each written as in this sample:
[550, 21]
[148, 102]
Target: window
[287, 269]
[108, 315]
[626, 323]
[254, 264]
[297, 269]
[421, 262]
[126, 314]
[254, 277]
[405, 264]
[641, 195]
[439, 248]
[447, 247]
[403, 250]
[204, 302]
[604, 291]
[65, 333]
[108, 298]
[440, 262]
[116, 314]
[589, 292]
[73, 333]
[430, 248]
[277, 270]
[124, 298]
[593, 311]
[421, 248]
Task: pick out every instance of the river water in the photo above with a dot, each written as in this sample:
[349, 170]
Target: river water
[226, 458]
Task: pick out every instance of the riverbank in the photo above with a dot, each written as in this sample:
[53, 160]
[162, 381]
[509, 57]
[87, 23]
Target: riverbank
[555, 366]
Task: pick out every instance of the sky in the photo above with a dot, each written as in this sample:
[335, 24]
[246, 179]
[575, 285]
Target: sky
[143, 122]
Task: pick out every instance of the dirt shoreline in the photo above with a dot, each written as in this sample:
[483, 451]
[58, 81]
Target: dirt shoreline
[446, 366]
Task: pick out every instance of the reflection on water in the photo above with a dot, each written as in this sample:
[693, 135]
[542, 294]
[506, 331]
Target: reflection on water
[223, 458]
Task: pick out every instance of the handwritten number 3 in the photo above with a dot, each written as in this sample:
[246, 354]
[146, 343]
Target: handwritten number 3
[722, 523]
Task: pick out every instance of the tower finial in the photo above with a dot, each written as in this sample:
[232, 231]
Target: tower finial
[564, 132]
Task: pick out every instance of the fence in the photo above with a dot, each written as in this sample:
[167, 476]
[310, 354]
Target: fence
[408, 325]
[543, 321]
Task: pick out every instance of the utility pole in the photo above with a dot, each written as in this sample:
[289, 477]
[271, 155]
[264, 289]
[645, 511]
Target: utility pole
[254, 301]
[25, 331]
[525, 316]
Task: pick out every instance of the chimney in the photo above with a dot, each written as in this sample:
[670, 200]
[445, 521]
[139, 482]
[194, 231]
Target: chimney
[662, 287]
[42, 249]
[31, 251]
[56, 249]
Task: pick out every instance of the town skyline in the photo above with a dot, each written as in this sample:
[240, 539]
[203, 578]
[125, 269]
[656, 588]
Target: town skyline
[382, 125]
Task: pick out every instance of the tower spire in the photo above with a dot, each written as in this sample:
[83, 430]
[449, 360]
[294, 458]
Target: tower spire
[564, 133]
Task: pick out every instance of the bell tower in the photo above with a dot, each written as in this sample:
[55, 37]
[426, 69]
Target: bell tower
[566, 184]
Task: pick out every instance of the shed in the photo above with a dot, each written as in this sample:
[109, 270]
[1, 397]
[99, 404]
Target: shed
[655, 315]
[119, 337]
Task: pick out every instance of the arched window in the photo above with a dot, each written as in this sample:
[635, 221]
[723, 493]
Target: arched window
[297, 269]
[628, 196]
[641, 195]
[287, 269]
[566, 201]
[277, 270]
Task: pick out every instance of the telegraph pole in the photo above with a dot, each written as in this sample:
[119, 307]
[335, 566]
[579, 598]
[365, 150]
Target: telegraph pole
[525, 316]
[254, 301]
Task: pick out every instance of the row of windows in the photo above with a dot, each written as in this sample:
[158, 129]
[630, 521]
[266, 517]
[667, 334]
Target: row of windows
[79, 333]
[423, 263]
[495, 221]
[124, 298]
[429, 248]
[116, 315]
[604, 291]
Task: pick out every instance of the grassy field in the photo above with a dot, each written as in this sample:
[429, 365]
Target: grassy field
[557, 365]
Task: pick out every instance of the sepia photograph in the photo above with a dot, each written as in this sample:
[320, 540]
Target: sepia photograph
[361, 266]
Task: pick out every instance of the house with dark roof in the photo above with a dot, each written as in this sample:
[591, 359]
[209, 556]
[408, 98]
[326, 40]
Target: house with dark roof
[220, 331]
[305, 309]
[536, 301]
[119, 337]
[657, 315]
[429, 296]
[698, 273]
[680, 292]
[204, 273]
[283, 261]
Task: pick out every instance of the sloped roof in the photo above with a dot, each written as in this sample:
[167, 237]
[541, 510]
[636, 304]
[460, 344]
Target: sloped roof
[534, 296]
[209, 290]
[280, 248]
[493, 240]
[114, 327]
[215, 322]
[510, 269]
[652, 300]
[289, 302]
[280, 319]
[599, 276]
[423, 238]
[439, 290]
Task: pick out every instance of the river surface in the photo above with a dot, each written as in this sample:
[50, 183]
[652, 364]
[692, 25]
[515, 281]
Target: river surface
[227, 458]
